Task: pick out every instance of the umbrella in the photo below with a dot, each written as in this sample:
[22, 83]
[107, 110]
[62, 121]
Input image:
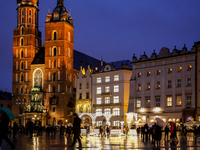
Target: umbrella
[190, 123]
[8, 112]
[151, 124]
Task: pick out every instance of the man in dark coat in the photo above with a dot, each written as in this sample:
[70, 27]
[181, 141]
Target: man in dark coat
[4, 121]
[76, 130]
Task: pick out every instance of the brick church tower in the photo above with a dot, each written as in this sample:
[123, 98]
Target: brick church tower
[43, 77]
[26, 43]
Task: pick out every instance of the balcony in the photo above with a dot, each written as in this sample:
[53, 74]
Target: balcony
[110, 104]
[106, 94]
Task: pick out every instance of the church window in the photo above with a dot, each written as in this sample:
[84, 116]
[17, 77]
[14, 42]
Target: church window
[22, 53]
[54, 76]
[16, 77]
[22, 65]
[54, 63]
[69, 36]
[17, 53]
[58, 87]
[54, 51]
[54, 35]
[22, 30]
[29, 20]
[22, 42]
[58, 75]
[38, 77]
[29, 12]
[21, 77]
[22, 90]
[54, 89]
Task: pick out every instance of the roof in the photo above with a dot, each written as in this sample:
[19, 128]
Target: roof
[5, 95]
[122, 64]
[84, 60]
[39, 57]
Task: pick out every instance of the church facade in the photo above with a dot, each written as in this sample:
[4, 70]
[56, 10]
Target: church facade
[43, 76]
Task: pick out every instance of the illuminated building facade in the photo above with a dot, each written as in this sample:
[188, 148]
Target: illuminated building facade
[164, 86]
[43, 77]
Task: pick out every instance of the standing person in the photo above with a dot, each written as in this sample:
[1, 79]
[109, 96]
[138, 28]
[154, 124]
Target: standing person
[166, 132]
[4, 121]
[15, 128]
[108, 131]
[158, 135]
[76, 130]
[153, 134]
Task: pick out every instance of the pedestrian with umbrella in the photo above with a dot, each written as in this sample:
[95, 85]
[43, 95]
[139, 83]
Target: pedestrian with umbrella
[5, 116]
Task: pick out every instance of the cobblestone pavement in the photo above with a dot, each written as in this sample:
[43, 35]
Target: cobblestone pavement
[23, 142]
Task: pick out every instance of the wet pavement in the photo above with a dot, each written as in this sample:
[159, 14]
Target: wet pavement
[23, 142]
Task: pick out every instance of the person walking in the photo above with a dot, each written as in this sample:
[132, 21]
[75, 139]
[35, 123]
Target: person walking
[108, 131]
[15, 128]
[4, 121]
[166, 132]
[76, 130]
[158, 135]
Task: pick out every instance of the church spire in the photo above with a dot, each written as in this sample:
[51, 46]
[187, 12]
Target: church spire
[60, 2]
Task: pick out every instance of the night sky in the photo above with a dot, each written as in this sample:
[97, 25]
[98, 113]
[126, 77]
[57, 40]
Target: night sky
[111, 29]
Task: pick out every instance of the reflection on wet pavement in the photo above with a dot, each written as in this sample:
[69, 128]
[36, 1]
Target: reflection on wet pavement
[23, 142]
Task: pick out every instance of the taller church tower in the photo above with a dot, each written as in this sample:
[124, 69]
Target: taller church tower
[26, 43]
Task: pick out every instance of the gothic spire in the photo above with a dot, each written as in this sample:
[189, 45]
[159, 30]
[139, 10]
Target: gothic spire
[60, 2]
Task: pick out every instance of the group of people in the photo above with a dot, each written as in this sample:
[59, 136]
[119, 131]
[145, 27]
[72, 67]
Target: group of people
[104, 131]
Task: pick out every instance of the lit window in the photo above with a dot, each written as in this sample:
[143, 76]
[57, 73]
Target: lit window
[98, 100]
[178, 82]
[157, 101]
[158, 85]
[107, 100]
[116, 78]
[116, 99]
[169, 83]
[99, 80]
[139, 74]
[107, 79]
[179, 69]
[148, 86]
[107, 111]
[148, 73]
[99, 112]
[188, 99]
[169, 101]
[148, 102]
[116, 111]
[158, 72]
[138, 103]
[178, 100]
[189, 67]
[116, 88]
[169, 70]
[99, 123]
[188, 81]
[107, 89]
[139, 87]
[87, 85]
[116, 123]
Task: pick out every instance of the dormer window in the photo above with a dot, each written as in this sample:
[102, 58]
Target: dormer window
[148, 73]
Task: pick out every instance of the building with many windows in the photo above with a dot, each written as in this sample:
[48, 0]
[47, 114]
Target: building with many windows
[164, 86]
[110, 93]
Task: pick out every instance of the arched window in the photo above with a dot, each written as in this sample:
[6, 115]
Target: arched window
[29, 12]
[38, 77]
[22, 77]
[22, 53]
[22, 89]
[22, 42]
[54, 76]
[22, 30]
[54, 35]
[22, 66]
[54, 51]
